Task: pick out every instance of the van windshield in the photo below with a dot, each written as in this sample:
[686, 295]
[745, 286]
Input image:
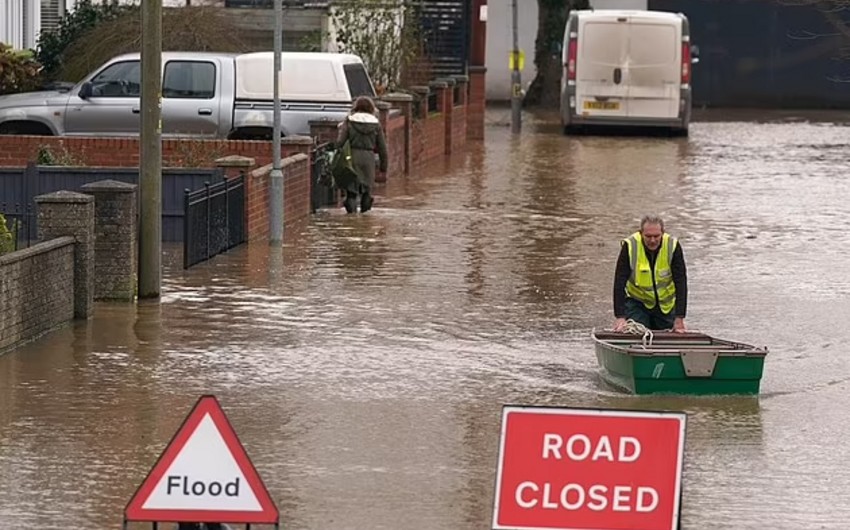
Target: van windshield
[358, 81]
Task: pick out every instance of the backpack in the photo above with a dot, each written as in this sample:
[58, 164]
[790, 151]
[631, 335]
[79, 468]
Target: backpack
[342, 166]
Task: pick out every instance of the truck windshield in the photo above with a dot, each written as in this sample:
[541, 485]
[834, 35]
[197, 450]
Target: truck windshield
[358, 81]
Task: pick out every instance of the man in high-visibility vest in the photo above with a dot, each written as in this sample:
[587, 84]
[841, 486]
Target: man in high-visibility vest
[651, 280]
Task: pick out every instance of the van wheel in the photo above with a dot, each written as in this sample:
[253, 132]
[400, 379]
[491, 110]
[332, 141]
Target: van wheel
[572, 130]
[679, 132]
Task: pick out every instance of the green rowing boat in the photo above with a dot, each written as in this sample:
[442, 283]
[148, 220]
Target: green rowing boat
[664, 362]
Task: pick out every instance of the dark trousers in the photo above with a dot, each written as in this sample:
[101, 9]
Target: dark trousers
[365, 200]
[651, 318]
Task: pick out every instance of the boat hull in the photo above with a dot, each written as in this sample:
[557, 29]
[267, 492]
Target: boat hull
[680, 365]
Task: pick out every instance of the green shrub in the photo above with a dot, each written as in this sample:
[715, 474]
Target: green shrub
[52, 44]
[384, 33]
[19, 72]
[48, 156]
[7, 243]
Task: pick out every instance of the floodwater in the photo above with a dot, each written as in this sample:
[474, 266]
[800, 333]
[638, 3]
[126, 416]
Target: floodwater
[365, 366]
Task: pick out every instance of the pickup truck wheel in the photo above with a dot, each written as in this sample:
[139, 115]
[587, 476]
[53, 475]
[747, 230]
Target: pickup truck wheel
[25, 127]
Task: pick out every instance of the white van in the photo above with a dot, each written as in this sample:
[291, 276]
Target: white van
[627, 67]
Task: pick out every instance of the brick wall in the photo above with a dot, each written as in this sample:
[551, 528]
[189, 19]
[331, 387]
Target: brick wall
[296, 193]
[395, 132]
[124, 152]
[475, 110]
[36, 291]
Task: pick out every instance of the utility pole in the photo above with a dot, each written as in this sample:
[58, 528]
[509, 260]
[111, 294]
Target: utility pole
[516, 79]
[276, 177]
[150, 155]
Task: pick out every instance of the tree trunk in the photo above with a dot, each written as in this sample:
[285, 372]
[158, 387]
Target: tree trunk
[545, 90]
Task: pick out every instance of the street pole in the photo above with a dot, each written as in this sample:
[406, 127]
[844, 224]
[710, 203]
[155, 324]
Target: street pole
[276, 177]
[150, 155]
[516, 79]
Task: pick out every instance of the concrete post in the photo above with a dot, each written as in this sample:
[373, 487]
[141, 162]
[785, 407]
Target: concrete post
[67, 213]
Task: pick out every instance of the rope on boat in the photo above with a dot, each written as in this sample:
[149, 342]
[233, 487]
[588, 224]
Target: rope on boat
[638, 328]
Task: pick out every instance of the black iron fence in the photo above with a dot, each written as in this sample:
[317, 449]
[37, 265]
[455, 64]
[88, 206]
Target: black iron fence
[214, 220]
[20, 185]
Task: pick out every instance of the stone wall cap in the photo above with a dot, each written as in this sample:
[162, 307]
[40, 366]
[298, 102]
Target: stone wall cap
[461, 78]
[438, 84]
[35, 250]
[419, 89]
[477, 69]
[397, 97]
[109, 185]
[382, 105]
[293, 159]
[448, 80]
[297, 140]
[235, 161]
[64, 196]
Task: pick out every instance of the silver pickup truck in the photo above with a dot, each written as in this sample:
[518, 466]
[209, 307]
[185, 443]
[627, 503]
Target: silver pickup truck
[209, 95]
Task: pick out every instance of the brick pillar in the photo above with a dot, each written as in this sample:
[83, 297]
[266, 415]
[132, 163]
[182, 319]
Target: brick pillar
[296, 186]
[448, 110]
[66, 213]
[235, 165]
[421, 110]
[461, 90]
[475, 109]
[292, 145]
[324, 131]
[115, 228]
[404, 102]
[459, 116]
[383, 117]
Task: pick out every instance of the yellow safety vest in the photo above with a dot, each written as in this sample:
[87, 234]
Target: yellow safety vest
[640, 284]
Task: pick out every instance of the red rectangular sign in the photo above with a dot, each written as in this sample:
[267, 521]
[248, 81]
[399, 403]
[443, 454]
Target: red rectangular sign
[584, 469]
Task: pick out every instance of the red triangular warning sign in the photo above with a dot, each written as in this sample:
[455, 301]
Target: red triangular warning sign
[203, 476]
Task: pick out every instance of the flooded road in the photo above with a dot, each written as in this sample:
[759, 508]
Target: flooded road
[365, 366]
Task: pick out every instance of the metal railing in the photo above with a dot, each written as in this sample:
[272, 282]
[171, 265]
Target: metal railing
[214, 220]
[20, 224]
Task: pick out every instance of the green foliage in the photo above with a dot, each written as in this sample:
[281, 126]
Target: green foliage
[552, 19]
[7, 243]
[183, 29]
[384, 33]
[19, 72]
[48, 156]
[52, 45]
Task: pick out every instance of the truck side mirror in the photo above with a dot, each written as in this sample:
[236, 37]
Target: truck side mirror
[86, 90]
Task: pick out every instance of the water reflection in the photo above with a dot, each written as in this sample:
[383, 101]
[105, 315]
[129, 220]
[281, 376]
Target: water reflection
[364, 363]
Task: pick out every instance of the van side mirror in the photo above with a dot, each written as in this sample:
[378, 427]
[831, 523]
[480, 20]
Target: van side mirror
[86, 90]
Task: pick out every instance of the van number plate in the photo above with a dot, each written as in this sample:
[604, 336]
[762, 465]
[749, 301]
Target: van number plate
[602, 105]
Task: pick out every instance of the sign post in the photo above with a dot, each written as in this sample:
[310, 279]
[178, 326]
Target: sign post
[589, 469]
[204, 475]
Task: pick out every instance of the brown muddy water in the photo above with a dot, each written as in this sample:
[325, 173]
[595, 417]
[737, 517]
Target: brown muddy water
[364, 366]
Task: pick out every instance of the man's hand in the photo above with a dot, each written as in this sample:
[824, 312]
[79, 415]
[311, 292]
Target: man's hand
[679, 325]
[620, 324]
